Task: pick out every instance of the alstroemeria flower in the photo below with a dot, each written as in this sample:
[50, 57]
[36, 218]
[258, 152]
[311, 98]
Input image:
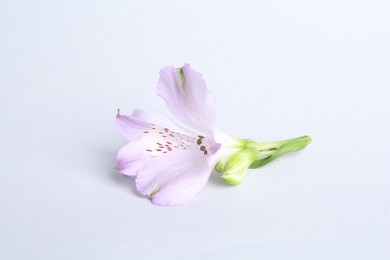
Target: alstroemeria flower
[170, 164]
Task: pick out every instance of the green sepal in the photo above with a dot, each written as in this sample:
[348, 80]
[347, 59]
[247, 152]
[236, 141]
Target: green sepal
[280, 148]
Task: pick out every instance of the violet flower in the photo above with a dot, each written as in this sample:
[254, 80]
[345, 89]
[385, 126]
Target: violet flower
[170, 164]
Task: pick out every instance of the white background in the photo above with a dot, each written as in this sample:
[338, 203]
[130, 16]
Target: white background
[278, 69]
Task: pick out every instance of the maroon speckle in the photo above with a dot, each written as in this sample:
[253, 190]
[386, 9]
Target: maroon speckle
[160, 132]
[169, 143]
[146, 132]
[158, 150]
[148, 150]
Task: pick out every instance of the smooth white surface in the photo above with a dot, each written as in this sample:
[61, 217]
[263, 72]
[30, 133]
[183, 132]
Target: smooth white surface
[278, 69]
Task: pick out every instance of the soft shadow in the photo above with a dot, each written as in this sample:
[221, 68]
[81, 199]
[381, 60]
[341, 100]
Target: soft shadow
[107, 159]
[216, 180]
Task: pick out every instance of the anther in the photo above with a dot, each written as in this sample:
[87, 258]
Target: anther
[199, 142]
[202, 148]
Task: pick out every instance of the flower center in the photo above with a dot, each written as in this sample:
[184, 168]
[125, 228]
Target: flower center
[163, 140]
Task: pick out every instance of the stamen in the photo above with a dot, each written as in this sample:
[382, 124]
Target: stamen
[199, 142]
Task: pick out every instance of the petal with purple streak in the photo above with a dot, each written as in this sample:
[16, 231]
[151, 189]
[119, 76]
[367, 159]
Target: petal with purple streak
[187, 97]
[170, 165]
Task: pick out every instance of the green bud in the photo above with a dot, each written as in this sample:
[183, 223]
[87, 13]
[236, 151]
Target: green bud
[245, 153]
[234, 168]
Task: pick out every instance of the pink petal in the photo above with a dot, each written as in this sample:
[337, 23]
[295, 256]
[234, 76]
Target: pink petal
[159, 119]
[133, 126]
[149, 140]
[174, 178]
[187, 97]
[169, 163]
[131, 158]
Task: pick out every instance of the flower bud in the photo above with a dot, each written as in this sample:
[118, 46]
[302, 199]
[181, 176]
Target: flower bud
[234, 167]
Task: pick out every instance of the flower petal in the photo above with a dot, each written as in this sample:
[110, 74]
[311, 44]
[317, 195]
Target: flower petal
[131, 158]
[149, 140]
[187, 97]
[133, 126]
[174, 178]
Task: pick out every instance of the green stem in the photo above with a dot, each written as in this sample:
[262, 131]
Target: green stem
[276, 145]
[278, 149]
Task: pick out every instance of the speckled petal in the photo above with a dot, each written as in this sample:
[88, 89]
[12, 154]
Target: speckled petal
[175, 178]
[134, 126]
